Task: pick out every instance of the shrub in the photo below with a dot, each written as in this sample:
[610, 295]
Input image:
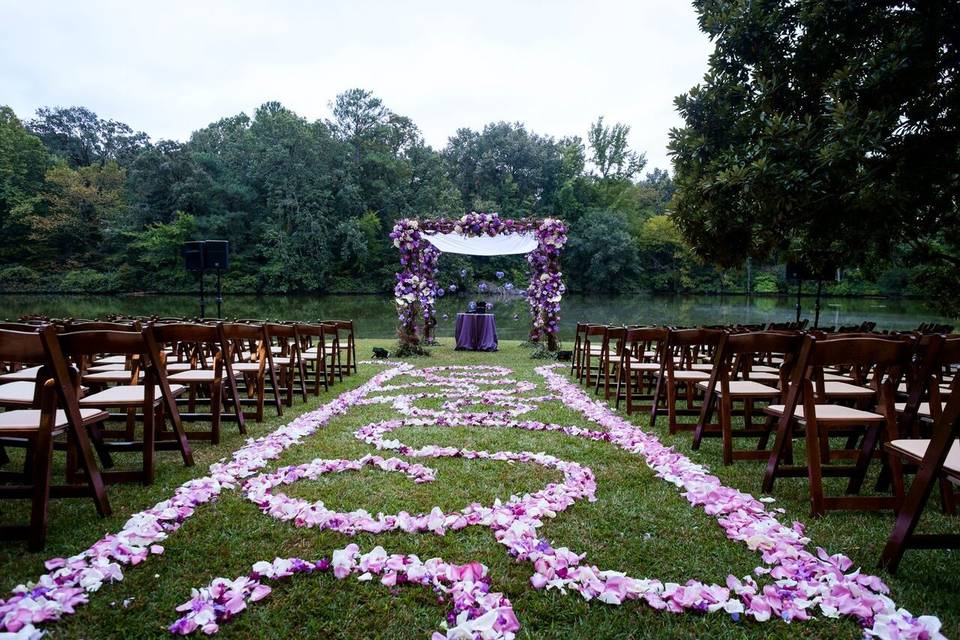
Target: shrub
[765, 282]
[87, 281]
[19, 278]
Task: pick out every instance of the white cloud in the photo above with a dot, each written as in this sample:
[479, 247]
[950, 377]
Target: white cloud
[172, 67]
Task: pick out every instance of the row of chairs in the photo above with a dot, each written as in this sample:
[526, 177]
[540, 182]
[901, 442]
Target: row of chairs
[851, 399]
[95, 389]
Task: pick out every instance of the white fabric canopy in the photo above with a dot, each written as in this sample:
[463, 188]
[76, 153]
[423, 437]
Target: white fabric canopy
[501, 245]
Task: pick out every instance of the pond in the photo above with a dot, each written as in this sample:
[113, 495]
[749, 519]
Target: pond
[375, 315]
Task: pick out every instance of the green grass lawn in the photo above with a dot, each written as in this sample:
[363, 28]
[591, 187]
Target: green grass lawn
[639, 524]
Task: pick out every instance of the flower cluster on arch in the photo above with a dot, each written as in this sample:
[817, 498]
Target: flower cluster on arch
[415, 291]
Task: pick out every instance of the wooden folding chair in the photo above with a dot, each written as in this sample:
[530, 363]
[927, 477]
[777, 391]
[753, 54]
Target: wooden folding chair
[252, 360]
[734, 380]
[316, 356]
[639, 362]
[683, 366]
[577, 346]
[332, 334]
[937, 457]
[210, 371]
[349, 347]
[610, 350]
[591, 347]
[154, 399]
[807, 408]
[287, 359]
[37, 427]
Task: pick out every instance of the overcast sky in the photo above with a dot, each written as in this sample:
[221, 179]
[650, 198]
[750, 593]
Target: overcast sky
[171, 67]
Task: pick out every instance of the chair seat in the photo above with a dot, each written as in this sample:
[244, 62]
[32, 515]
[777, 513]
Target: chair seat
[112, 360]
[246, 366]
[126, 396]
[846, 390]
[763, 376]
[310, 350]
[639, 365]
[701, 366]
[107, 367]
[25, 421]
[830, 413]
[745, 388]
[112, 376]
[280, 361]
[20, 392]
[178, 366]
[30, 373]
[836, 377]
[691, 375]
[916, 449]
[923, 410]
[763, 368]
[276, 349]
[193, 375]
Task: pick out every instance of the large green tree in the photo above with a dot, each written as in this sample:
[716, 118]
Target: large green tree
[823, 131]
[80, 137]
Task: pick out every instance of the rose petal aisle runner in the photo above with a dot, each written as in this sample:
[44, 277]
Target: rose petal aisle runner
[792, 583]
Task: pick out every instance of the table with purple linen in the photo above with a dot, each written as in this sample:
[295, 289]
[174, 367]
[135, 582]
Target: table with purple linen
[476, 332]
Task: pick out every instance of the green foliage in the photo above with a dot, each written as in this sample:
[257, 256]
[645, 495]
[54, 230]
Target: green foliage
[611, 154]
[307, 206]
[825, 132]
[88, 281]
[764, 282]
[606, 251]
[19, 278]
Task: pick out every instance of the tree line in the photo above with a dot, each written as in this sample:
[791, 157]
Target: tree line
[89, 204]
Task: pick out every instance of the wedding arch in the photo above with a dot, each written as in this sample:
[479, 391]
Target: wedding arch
[421, 241]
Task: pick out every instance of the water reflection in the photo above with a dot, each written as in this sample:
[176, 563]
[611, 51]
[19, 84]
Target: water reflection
[375, 315]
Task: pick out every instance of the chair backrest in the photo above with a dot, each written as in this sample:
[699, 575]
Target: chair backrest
[689, 345]
[22, 346]
[26, 327]
[737, 352]
[763, 342]
[74, 327]
[80, 344]
[41, 346]
[187, 332]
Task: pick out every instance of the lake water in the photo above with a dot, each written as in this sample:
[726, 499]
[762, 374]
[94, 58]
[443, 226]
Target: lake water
[375, 315]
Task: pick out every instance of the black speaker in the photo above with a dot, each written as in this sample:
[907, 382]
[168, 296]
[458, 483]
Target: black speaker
[192, 253]
[216, 254]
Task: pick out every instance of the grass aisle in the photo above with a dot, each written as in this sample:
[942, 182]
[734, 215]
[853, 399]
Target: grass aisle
[639, 524]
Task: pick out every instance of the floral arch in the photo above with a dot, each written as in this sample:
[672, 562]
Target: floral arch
[416, 287]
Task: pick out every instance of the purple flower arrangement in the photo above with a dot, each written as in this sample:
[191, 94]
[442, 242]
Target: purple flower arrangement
[416, 289]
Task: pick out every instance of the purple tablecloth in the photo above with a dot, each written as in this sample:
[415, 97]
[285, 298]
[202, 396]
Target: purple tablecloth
[476, 332]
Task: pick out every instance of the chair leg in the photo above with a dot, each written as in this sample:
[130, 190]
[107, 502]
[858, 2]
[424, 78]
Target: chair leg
[90, 471]
[149, 442]
[814, 470]
[4, 458]
[261, 397]
[779, 452]
[671, 407]
[303, 378]
[726, 427]
[216, 395]
[276, 390]
[42, 455]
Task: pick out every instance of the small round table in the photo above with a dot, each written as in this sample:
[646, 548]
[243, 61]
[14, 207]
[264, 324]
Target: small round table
[476, 332]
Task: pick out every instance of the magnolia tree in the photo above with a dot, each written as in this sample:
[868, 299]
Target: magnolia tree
[416, 287]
